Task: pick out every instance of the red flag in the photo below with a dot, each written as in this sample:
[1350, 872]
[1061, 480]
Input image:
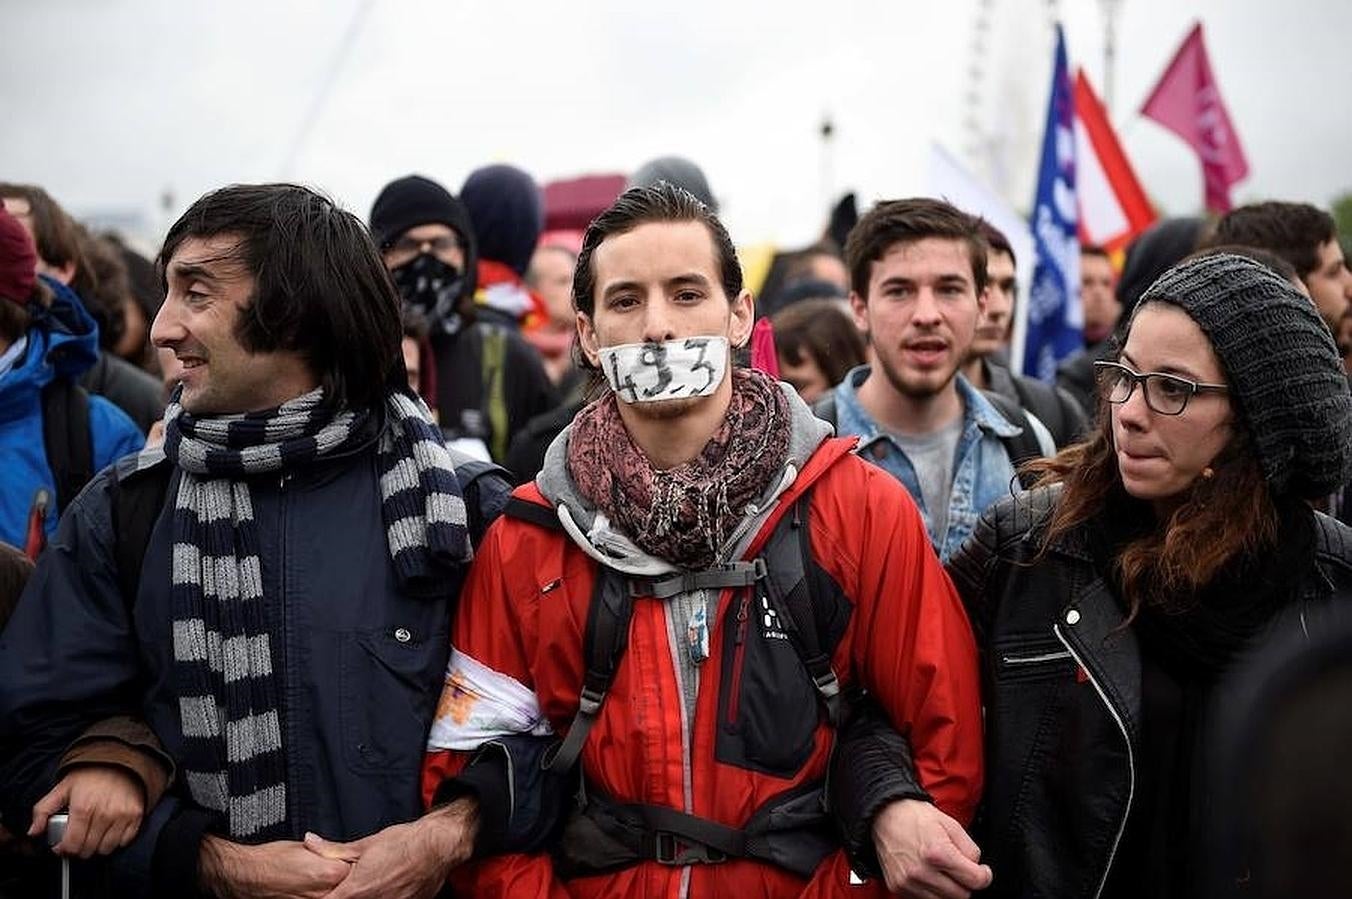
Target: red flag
[1188, 102]
[763, 354]
[1113, 207]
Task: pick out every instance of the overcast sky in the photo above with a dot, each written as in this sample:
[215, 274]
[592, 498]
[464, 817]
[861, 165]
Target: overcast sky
[109, 103]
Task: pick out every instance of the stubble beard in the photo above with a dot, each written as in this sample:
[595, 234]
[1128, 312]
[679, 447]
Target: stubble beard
[916, 389]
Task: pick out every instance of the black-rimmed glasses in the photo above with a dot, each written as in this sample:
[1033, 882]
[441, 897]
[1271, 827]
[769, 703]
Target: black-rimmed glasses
[1165, 394]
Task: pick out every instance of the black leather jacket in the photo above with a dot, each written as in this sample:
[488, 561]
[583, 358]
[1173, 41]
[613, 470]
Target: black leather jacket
[1062, 685]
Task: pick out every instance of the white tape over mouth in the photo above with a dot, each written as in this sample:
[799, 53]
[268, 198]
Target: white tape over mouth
[674, 369]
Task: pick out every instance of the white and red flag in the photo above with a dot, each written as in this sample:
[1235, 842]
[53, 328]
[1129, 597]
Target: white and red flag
[1113, 207]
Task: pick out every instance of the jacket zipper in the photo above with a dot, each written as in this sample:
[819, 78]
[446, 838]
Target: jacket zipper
[1131, 757]
[738, 656]
[1035, 659]
[687, 779]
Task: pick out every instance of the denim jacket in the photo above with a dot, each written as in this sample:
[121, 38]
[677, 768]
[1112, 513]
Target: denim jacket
[982, 472]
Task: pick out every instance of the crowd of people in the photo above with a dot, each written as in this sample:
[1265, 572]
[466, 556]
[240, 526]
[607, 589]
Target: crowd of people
[438, 553]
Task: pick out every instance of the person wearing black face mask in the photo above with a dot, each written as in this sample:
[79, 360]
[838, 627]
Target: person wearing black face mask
[489, 382]
[431, 287]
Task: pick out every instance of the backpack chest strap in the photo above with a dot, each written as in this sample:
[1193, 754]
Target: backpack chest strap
[733, 574]
[607, 636]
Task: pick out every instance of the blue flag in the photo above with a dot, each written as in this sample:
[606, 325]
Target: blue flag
[1055, 320]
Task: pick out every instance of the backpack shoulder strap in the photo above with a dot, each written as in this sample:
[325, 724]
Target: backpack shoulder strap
[136, 497]
[1020, 389]
[67, 438]
[825, 408]
[786, 557]
[1023, 446]
[536, 514]
[494, 361]
[603, 644]
[468, 472]
[782, 569]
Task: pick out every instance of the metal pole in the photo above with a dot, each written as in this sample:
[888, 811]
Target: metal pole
[1110, 10]
[330, 77]
[828, 167]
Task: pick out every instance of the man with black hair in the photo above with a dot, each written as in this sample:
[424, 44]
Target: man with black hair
[489, 382]
[696, 588]
[270, 592]
[1306, 237]
[987, 366]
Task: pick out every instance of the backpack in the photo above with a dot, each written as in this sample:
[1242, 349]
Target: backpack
[790, 830]
[67, 438]
[492, 368]
[485, 415]
[1021, 447]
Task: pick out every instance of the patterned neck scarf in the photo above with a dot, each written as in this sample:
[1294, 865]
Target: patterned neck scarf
[685, 514]
[233, 760]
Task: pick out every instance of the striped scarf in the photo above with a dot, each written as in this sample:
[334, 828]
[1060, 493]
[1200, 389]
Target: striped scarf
[233, 759]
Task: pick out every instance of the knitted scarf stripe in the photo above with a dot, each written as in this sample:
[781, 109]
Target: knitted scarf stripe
[426, 521]
[233, 757]
[228, 459]
[223, 669]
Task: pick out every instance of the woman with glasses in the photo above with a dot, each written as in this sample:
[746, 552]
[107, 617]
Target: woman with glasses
[1112, 600]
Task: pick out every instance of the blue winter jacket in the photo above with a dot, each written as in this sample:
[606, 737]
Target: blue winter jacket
[63, 342]
[360, 662]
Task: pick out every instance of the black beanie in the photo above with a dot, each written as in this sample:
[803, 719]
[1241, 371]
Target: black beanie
[412, 201]
[1285, 375]
[508, 212]
[1162, 246]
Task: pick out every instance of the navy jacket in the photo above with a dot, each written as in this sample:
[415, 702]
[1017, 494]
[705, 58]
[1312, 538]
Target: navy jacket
[360, 663]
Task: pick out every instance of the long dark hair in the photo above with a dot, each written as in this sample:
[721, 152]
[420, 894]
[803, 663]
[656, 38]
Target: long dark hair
[1222, 519]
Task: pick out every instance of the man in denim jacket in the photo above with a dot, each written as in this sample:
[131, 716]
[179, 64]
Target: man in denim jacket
[918, 282]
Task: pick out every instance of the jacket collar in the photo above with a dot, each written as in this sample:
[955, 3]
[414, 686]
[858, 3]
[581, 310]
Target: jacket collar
[1040, 503]
[976, 409]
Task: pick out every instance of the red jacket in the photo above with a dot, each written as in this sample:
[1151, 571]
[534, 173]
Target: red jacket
[523, 613]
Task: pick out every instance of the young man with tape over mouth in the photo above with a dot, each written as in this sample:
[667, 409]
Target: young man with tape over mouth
[696, 592]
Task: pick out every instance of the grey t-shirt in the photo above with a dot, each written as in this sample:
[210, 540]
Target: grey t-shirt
[932, 456]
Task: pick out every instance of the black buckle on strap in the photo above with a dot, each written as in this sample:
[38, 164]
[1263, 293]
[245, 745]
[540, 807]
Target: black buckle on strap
[674, 850]
[732, 574]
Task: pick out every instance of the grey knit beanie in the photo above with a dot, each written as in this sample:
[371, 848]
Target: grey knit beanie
[1285, 375]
